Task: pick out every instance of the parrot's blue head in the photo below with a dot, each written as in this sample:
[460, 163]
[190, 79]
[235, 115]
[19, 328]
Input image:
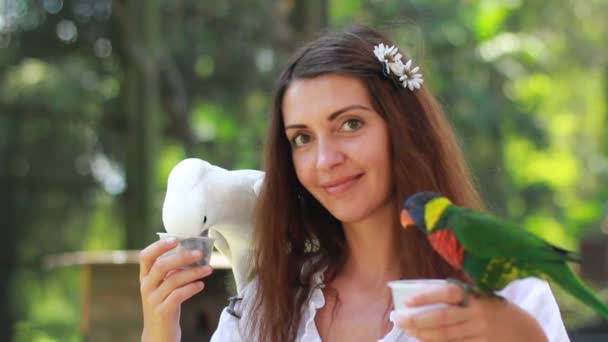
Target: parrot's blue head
[414, 210]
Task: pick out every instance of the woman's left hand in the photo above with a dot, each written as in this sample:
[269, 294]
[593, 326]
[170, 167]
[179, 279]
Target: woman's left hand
[482, 319]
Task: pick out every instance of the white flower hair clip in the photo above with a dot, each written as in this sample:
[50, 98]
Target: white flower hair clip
[391, 63]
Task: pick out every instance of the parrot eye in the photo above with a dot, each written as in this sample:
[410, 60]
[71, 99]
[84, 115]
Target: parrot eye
[204, 219]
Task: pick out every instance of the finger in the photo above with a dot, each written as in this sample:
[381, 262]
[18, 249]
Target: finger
[170, 273]
[466, 331]
[178, 296]
[179, 279]
[435, 318]
[149, 254]
[164, 265]
[449, 294]
[470, 339]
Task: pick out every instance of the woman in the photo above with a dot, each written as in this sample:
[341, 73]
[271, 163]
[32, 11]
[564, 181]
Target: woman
[353, 132]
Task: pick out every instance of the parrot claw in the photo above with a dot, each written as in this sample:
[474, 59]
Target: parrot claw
[231, 307]
[467, 290]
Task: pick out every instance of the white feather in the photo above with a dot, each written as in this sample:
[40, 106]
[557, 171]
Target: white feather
[201, 196]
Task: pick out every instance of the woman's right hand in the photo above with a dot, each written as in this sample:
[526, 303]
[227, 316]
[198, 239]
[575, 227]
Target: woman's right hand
[164, 286]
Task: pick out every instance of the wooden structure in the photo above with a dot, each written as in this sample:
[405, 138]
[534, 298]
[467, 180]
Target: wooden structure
[594, 268]
[594, 254]
[111, 303]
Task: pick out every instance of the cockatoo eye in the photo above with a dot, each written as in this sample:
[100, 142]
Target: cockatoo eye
[204, 219]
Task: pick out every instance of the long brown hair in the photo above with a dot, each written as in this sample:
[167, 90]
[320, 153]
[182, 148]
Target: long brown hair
[292, 229]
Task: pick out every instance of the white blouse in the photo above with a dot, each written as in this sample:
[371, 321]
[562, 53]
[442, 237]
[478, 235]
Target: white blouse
[531, 294]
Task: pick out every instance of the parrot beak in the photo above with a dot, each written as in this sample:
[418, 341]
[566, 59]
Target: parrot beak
[406, 219]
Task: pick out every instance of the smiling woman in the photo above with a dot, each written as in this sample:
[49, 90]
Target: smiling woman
[352, 133]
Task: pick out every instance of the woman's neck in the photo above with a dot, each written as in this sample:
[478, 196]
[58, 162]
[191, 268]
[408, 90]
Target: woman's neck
[372, 257]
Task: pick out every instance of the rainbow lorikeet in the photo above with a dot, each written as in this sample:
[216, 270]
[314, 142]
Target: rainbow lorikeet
[493, 252]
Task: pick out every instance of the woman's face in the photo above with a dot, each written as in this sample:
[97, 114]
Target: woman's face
[340, 145]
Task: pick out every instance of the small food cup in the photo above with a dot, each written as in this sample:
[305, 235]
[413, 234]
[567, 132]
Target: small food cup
[198, 243]
[404, 289]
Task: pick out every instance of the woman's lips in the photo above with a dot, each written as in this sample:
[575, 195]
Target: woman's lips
[340, 185]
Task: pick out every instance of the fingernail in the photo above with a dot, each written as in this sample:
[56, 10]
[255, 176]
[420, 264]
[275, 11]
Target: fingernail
[196, 254]
[170, 241]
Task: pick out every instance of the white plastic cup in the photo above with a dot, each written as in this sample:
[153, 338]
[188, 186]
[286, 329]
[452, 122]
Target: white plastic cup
[404, 289]
[198, 243]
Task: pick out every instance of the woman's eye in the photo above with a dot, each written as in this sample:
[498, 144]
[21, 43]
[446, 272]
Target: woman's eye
[352, 124]
[300, 140]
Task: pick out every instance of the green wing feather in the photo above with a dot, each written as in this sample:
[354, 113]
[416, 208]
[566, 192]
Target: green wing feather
[487, 236]
[498, 252]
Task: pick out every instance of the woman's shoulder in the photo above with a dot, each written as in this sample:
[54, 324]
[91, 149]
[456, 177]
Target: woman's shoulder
[535, 296]
[521, 289]
[235, 320]
[244, 299]
[531, 293]
[234, 324]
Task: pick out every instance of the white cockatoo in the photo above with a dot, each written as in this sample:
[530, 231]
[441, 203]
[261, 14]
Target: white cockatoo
[201, 196]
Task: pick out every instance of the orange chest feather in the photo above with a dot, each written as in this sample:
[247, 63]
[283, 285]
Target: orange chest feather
[444, 242]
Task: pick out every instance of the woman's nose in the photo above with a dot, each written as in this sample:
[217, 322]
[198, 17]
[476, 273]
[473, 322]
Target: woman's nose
[329, 154]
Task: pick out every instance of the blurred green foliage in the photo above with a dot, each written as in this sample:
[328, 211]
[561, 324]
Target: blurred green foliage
[525, 90]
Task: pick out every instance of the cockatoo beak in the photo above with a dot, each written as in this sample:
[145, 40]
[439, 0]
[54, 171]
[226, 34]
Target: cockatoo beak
[406, 219]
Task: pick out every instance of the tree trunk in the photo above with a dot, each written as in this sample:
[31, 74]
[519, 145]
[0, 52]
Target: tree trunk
[604, 144]
[140, 31]
[8, 211]
[309, 18]
[297, 21]
[603, 179]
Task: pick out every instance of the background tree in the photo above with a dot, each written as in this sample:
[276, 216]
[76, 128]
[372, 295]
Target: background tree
[139, 23]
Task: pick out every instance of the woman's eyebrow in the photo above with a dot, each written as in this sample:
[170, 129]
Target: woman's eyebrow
[333, 115]
[337, 113]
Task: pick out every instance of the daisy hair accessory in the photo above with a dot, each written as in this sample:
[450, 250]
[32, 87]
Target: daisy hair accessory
[392, 64]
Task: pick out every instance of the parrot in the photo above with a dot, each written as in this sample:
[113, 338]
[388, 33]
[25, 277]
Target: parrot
[203, 198]
[490, 250]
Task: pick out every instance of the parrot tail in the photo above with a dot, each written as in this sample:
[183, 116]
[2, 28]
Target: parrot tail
[566, 254]
[569, 281]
